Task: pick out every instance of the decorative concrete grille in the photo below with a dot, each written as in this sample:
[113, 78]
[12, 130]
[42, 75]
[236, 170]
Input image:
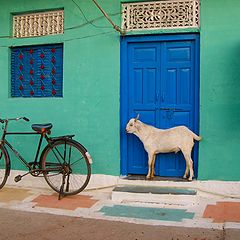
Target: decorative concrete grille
[168, 14]
[38, 24]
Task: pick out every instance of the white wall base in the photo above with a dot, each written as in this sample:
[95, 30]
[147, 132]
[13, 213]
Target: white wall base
[221, 188]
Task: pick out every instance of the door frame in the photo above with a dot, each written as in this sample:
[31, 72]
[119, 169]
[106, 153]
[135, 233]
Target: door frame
[124, 90]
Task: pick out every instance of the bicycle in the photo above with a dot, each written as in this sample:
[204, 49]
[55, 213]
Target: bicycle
[64, 163]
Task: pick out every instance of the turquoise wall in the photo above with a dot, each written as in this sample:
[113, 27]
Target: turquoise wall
[90, 105]
[91, 102]
[220, 90]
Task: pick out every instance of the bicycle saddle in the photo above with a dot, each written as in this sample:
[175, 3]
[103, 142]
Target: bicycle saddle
[42, 127]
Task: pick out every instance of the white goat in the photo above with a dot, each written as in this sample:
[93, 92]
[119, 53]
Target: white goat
[164, 141]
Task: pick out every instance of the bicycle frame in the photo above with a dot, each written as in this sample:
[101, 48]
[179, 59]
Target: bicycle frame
[16, 153]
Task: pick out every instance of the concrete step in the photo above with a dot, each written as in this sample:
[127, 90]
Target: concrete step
[154, 194]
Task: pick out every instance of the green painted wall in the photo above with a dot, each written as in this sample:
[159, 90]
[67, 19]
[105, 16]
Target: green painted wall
[220, 90]
[90, 106]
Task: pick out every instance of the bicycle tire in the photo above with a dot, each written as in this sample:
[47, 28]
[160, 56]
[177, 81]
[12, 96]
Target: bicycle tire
[56, 165]
[4, 166]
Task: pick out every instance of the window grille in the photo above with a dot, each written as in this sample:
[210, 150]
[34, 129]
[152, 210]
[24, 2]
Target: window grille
[168, 14]
[37, 71]
[38, 24]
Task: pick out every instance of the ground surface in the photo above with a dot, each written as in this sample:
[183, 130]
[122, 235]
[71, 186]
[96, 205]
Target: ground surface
[20, 225]
[97, 214]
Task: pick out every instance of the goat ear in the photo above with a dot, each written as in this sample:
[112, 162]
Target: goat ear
[137, 117]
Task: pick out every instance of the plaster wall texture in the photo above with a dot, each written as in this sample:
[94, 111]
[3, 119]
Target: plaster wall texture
[219, 90]
[91, 100]
[90, 104]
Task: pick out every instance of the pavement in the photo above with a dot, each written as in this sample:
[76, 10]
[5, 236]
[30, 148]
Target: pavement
[134, 203]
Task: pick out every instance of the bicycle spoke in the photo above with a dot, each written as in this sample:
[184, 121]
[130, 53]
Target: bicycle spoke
[69, 155]
[64, 152]
[53, 150]
[66, 159]
[76, 161]
[63, 157]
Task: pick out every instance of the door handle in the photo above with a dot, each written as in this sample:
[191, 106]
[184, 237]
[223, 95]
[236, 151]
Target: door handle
[171, 109]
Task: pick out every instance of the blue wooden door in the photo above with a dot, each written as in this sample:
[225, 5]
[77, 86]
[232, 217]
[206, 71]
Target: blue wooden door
[160, 82]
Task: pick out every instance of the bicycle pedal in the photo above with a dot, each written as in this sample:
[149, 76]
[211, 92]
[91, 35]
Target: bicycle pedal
[18, 178]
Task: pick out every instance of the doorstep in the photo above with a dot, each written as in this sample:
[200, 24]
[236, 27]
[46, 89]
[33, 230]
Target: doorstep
[154, 194]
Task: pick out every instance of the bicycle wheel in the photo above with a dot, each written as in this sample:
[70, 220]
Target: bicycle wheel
[66, 167]
[4, 166]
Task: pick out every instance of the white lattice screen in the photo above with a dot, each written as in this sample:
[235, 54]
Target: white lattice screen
[166, 14]
[38, 24]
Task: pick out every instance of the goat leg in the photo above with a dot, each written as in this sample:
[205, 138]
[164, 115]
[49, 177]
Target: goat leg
[152, 166]
[191, 170]
[186, 171]
[189, 165]
[150, 160]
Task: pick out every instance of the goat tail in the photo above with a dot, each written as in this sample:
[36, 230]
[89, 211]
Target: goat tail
[196, 137]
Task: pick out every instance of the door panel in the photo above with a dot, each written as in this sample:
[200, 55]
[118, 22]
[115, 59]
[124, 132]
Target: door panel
[143, 76]
[161, 85]
[177, 104]
[144, 85]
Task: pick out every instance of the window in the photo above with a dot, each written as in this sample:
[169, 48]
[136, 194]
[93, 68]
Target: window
[37, 71]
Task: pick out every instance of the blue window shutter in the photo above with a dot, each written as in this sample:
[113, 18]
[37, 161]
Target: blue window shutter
[37, 71]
